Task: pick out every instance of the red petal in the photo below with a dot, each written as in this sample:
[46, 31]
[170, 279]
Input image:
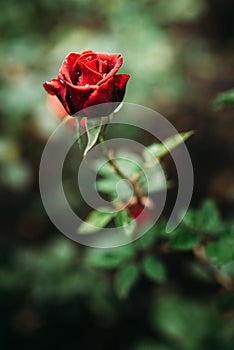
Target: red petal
[58, 88]
[101, 95]
[76, 97]
[120, 82]
[48, 88]
[68, 69]
[88, 76]
[93, 64]
[114, 62]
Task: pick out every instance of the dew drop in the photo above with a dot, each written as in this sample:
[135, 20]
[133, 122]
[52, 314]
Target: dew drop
[86, 85]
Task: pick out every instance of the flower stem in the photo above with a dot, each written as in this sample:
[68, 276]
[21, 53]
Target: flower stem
[109, 155]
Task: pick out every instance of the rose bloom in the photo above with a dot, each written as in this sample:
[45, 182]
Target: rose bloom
[54, 105]
[88, 79]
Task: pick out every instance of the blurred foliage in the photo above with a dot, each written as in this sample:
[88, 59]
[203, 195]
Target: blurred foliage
[224, 99]
[162, 292]
[101, 278]
[146, 172]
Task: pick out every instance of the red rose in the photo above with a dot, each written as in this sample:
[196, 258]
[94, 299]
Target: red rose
[55, 106]
[89, 79]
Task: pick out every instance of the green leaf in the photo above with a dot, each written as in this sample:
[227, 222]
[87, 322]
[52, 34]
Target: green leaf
[184, 239]
[190, 219]
[125, 279]
[182, 321]
[128, 162]
[116, 187]
[102, 167]
[126, 222]
[152, 180]
[93, 129]
[223, 99]
[208, 219]
[160, 150]
[109, 258]
[154, 269]
[107, 185]
[96, 220]
[219, 252]
[228, 235]
[228, 268]
[147, 240]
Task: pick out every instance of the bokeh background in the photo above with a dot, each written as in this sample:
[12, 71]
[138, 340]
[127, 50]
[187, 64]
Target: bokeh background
[180, 56]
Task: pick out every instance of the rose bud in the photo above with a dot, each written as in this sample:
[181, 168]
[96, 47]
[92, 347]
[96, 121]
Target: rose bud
[135, 212]
[56, 107]
[88, 79]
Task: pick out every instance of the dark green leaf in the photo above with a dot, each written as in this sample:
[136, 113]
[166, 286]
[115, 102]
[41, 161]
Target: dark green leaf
[223, 99]
[160, 229]
[208, 219]
[125, 279]
[109, 258]
[190, 219]
[181, 320]
[219, 252]
[184, 239]
[125, 222]
[228, 236]
[154, 269]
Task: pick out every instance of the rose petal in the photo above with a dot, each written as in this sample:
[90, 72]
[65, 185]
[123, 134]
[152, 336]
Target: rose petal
[76, 97]
[113, 60]
[58, 88]
[68, 70]
[93, 64]
[48, 88]
[120, 82]
[114, 63]
[102, 95]
[87, 56]
[88, 76]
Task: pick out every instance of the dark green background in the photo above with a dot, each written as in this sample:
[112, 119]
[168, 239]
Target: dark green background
[179, 55]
